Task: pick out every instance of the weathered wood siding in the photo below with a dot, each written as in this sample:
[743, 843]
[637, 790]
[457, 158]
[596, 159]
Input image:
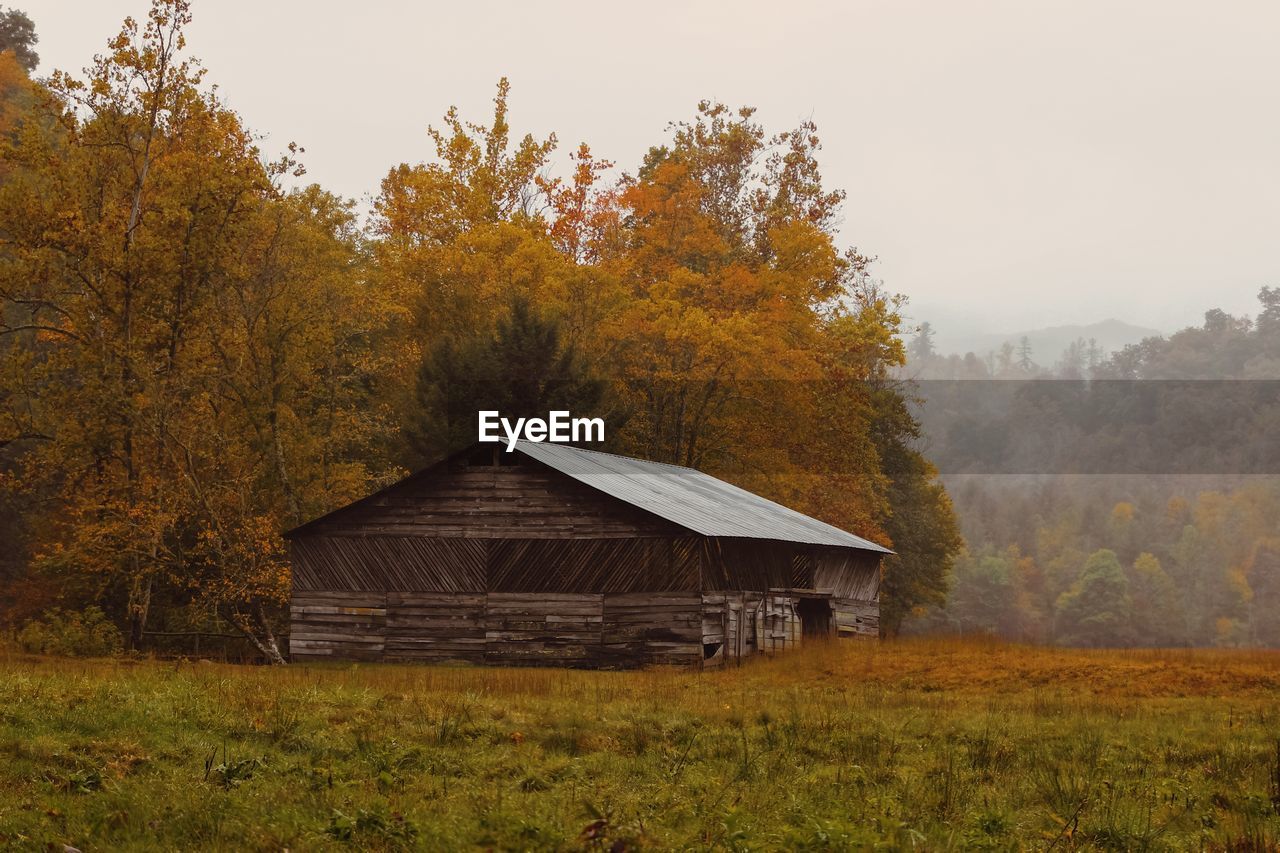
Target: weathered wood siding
[738, 564]
[739, 624]
[598, 565]
[597, 630]
[548, 628]
[337, 625]
[856, 617]
[734, 564]
[716, 628]
[435, 626]
[381, 563]
[657, 628]
[846, 573]
[421, 564]
[779, 625]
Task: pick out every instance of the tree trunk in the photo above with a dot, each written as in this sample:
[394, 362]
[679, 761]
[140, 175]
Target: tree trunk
[268, 646]
[139, 605]
[259, 633]
[282, 470]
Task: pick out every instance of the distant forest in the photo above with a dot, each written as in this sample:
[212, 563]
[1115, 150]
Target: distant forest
[1130, 498]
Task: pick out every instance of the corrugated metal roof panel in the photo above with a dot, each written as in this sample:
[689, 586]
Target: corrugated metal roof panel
[690, 498]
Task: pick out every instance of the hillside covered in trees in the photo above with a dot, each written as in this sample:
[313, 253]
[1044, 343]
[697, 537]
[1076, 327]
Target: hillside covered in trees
[199, 350]
[1128, 499]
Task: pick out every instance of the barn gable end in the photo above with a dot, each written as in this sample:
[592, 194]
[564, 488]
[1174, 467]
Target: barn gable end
[459, 499]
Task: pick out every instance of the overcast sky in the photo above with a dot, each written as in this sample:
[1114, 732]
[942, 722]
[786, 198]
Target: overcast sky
[1019, 164]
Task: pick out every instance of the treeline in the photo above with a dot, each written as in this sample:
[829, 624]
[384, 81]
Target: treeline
[1133, 530]
[200, 352]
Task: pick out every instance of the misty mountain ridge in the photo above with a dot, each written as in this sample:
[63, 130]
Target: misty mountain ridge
[1047, 344]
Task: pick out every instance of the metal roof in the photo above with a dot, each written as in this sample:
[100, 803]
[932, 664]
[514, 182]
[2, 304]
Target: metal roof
[690, 498]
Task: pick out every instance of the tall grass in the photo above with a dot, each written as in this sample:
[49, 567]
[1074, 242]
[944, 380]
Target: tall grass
[930, 743]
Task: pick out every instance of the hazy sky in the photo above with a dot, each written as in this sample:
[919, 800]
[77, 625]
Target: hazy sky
[1016, 164]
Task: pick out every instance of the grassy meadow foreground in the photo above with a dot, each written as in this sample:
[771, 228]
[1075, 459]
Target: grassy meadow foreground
[914, 744]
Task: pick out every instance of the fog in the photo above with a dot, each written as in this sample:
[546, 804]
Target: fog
[1011, 165]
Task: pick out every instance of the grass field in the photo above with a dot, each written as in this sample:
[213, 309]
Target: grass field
[923, 744]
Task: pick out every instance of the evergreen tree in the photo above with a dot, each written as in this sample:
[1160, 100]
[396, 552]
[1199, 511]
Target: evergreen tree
[1074, 360]
[18, 34]
[523, 370]
[1004, 359]
[1093, 354]
[921, 348]
[1097, 610]
[1025, 363]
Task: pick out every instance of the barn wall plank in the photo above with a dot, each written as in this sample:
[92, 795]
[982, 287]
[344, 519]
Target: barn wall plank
[593, 566]
[542, 629]
[734, 564]
[435, 626]
[337, 625]
[379, 563]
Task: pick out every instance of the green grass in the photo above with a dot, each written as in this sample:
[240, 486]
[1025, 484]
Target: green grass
[913, 744]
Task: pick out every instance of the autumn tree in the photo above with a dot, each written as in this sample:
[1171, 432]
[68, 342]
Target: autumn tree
[20, 594]
[750, 345]
[917, 513]
[707, 288]
[98, 278]
[460, 236]
[202, 358]
[191, 337]
[726, 257]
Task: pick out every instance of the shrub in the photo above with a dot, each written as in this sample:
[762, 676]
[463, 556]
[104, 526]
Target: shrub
[86, 633]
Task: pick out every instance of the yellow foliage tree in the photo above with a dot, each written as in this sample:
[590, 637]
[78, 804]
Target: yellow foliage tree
[191, 336]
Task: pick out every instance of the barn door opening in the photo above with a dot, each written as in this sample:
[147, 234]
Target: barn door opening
[815, 617]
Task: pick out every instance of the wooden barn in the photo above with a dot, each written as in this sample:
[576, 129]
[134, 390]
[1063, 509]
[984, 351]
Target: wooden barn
[551, 554]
